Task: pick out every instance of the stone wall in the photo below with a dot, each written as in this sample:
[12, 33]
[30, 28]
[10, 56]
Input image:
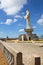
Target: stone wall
[14, 58]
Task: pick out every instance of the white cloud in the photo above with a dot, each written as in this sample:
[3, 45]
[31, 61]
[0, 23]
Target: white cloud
[21, 30]
[21, 25]
[42, 16]
[15, 20]
[18, 16]
[1, 23]
[34, 26]
[1, 32]
[12, 6]
[40, 21]
[8, 22]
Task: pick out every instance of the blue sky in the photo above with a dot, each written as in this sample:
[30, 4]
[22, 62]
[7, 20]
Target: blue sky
[12, 23]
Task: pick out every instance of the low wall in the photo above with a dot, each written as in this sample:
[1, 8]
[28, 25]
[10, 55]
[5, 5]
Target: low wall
[13, 57]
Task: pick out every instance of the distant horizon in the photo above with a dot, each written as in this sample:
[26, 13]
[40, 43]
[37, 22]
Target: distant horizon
[12, 23]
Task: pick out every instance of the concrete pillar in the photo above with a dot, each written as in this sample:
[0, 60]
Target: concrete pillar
[19, 59]
[37, 60]
[22, 38]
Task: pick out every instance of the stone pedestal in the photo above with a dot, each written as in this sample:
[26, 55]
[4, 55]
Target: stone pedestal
[29, 34]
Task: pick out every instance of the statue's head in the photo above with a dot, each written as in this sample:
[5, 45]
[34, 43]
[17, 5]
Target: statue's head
[27, 16]
[27, 12]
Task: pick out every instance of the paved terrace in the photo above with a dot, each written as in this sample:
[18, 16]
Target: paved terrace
[22, 53]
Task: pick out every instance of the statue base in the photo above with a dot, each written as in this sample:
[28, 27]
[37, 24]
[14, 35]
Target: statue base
[28, 35]
[28, 30]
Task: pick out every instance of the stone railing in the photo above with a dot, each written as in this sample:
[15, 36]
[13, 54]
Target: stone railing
[13, 57]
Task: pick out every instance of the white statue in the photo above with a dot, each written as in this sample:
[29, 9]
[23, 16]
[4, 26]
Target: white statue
[27, 17]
